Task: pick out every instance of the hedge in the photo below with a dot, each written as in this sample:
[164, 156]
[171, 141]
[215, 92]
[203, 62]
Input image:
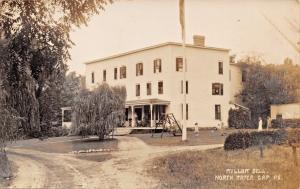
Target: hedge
[294, 135]
[284, 123]
[239, 119]
[243, 140]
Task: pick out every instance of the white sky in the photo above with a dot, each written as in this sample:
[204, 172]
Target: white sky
[235, 24]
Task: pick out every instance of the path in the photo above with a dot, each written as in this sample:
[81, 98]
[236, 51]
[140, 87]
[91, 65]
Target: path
[125, 170]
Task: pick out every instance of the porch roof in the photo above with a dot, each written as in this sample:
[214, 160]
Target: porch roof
[154, 101]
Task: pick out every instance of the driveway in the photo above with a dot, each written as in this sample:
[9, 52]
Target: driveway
[126, 169]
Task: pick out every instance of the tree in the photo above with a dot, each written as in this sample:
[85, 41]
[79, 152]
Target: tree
[9, 122]
[265, 85]
[37, 43]
[70, 90]
[99, 111]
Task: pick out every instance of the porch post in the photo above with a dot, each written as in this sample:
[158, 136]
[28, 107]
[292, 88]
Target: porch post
[132, 117]
[143, 112]
[154, 112]
[151, 119]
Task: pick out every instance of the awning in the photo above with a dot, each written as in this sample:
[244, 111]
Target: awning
[153, 101]
[241, 106]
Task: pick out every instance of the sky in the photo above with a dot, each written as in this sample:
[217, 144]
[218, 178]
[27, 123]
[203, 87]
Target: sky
[266, 28]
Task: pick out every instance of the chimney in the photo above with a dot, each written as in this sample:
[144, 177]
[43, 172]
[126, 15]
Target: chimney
[199, 40]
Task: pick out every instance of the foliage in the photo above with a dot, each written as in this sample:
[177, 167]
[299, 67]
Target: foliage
[239, 119]
[50, 103]
[294, 135]
[35, 45]
[284, 123]
[243, 140]
[99, 111]
[9, 119]
[58, 131]
[61, 92]
[70, 90]
[239, 140]
[268, 84]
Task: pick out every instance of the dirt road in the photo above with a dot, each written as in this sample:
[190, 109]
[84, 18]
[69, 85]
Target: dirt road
[126, 168]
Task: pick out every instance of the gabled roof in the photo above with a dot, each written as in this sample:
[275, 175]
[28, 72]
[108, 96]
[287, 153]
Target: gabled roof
[154, 47]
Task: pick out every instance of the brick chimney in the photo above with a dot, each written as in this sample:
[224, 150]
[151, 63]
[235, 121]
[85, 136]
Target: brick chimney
[199, 40]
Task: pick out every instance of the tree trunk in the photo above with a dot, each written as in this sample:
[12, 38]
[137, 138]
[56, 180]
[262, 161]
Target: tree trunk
[5, 171]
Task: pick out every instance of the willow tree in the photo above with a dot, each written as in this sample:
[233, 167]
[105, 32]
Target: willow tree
[37, 43]
[100, 111]
[9, 121]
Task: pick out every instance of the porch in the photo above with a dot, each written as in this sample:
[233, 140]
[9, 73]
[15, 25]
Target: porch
[144, 113]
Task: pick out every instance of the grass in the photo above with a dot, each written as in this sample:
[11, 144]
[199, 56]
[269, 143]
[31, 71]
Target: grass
[198, 169]
[73, 145]
[204, 137]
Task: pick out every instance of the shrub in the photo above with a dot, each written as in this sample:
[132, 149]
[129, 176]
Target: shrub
[57, 132]
[239, 119]
[243, 140]
[284, 123]
[239, 140]
[294, 135]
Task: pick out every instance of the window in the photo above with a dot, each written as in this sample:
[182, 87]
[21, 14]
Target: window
[186, 87]
[218, 112]
[148, 88]
[220, 67]
[93, 77]
[179, 64]
[160, 87]
[217, 89]
[139, 69]
[137, 90]
[187, 111]
[244, 76]
[104, 75]
[157, 66]
[67, 115]
[123, 72]
[116, 73]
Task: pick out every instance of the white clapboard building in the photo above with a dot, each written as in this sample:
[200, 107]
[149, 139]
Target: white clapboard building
[153, 77]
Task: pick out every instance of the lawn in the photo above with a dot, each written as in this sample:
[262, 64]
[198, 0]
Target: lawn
[67, 145]
[204, 137]
[227, 170]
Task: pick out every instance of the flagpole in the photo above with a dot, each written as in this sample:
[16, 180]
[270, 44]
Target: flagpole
[182, 22]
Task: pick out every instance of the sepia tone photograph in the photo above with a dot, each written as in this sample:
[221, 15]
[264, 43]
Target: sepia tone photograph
[150, 94]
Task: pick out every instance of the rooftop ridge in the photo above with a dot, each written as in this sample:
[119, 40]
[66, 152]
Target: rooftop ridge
[153, 47]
